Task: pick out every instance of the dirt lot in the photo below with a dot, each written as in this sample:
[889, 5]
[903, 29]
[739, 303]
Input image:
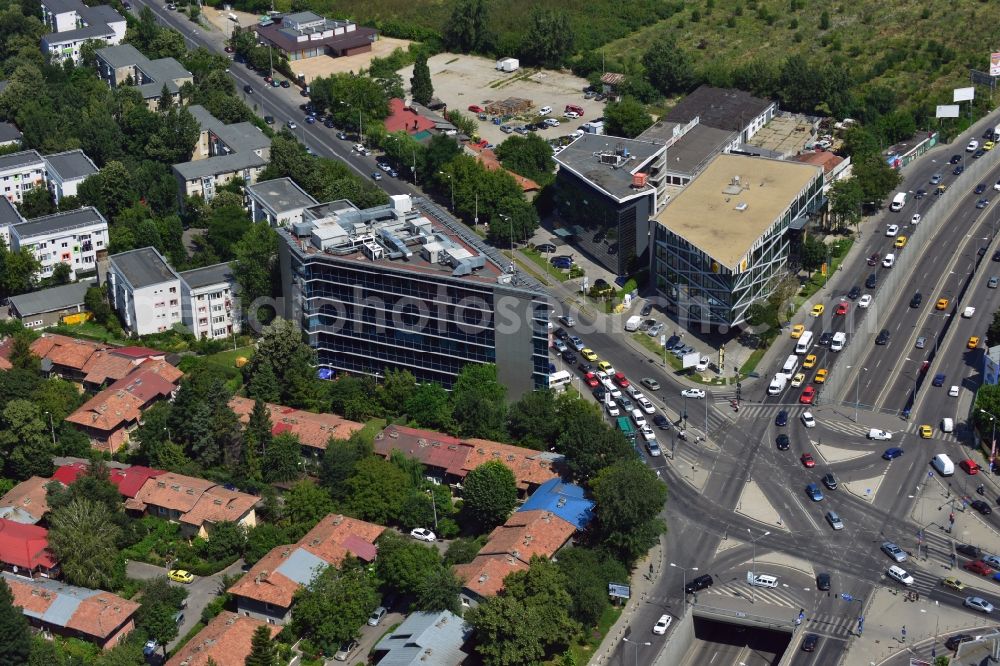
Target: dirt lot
[322, 65]
[461, 80]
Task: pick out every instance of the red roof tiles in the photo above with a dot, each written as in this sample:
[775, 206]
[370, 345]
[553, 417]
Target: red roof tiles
[25, 546]
[197, 500]
[405, 119]
[313, 430]
[226, 641]
[27, 501]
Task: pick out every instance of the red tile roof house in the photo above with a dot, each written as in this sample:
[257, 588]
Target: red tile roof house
[313, 430]
[267, 591]
[226, 641]
[128, 480]
[91, 363]
[110, 416]
[27, 502]
[197, 504]
[511, 546]
[24, 550]
[450, 459]
[404, 118]
[75, 612]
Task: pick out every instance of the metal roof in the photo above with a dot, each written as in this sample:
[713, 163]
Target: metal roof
[143, 267]
[301, 566]
[9, 132]
[206, 276]
[49, 224]
[21, 159]
[213, 166]
[281, 194]
[439, 636]
[70, 165]
[52, 299]
[564, 500]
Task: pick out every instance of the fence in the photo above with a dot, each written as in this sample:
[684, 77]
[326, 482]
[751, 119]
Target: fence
[931, 224]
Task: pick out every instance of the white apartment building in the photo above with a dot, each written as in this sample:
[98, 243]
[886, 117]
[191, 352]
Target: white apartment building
[20, 172]
[208, 304]
[66, 171]
[75, 237]
[73, 23]
[144, 290]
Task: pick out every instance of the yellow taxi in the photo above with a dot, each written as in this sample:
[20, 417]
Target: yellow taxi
[588, 354]
[606, 367]
[941, 304]
[797, 331]
[809, 361]
[953, 583]
[821, 375]
[973, 342]
[926, 432]
[988, 145]
[180, 576]
[798, 379]
[900, 241]
[818, 309]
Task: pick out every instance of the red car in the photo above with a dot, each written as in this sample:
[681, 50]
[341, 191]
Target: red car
[807, 396]
[591, 380]
[874, 259]
[841, 309]
[970, 467]
[978, 567]
[621, 380]
[807, 460]
[475, 109]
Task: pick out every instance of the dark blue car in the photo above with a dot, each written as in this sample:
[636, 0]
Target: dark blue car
[814, 493]
[781, 420]
[892, 453]
[938, 379]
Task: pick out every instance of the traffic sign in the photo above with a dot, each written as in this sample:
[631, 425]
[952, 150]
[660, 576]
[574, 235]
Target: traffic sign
[846, 597]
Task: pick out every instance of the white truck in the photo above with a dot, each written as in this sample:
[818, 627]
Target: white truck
[777, 384]
[632, 323]
[508, 64]
[838, 342]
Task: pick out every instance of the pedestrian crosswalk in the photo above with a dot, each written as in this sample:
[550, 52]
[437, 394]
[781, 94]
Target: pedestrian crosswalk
[914, 429]
[740, 589]
[839, 625]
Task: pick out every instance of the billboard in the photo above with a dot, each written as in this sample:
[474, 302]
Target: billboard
[964, 94]
[690, 360]
[995, 64]
[947, 111]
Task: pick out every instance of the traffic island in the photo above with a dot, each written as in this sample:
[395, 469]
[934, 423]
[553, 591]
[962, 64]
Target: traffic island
[834, 454]
[753, 504]
[864, 488]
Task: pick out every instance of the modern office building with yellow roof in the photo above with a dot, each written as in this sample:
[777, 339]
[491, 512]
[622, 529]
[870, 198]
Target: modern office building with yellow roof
[720, 242]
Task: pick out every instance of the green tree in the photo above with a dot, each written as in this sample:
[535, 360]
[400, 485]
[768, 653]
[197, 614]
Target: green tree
[529, 156]
[396, 388]
[350, 99]
[479, 402]
[587, 573]
[814, 253]
[263, 386]
[256, 266]
[490, 494]
[283, 458]
[18, 270]
[256, 439]
[109, 190]
[333, 606]
[61, 274]
[281, 346]
[262, 650]
[846, 199]
[586, 440]
[377, 490]
[84, 536]
[261, 540]
[549, 39]
[158, 620]
[824, 20]
[438, 591]
[339, 462]
[430, 407]
[626, 118]
[227, 542]
[467, 29]
[227, 225]
[15, 640]
[96, 304]
[36, 202]
[628, 498]
[25, 441]
[403, 564]
[876, 177]
[21, 356]
[993, 332]
[463, 550]
[669, 68]
[515, 216]
[532, 420]
[307, 503]
[421, 88]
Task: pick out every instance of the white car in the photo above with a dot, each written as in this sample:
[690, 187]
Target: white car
[968, 312]
[892, 230]
[702, 364]
[693, 393]
[552, 122]
[647, 433]
[645, 405]
[765, 580]
[915, 220]
[572, 115]
[612, 408]
[879, 436]
[975, 603]
[899, 574]
[662, 625]
[953, 391]
[422, 534]
[808, 420]
[889, 260]
[545, 110]
[865, 301]
[972, 147]
[639, 419]
[634, 392]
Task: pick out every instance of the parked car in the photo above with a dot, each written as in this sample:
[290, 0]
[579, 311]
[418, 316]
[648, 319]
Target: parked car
[376, 616]
[180, 576]
[422, 534]
[346, 649]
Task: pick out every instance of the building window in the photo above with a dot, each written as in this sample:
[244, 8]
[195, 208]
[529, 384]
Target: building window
[173, 302]
[173, 290]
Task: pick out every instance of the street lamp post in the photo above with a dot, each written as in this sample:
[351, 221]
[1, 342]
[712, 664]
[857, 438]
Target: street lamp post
[430, 493]
[636, 645]
[684, 571]
[857, 391]
[451, 182]
[52, 428]
[510, 221]
[753, 566]
[993, 438]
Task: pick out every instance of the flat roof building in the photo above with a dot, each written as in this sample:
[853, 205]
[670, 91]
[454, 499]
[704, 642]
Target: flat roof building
[66, 171]
[404, 285]
[118, 65]
[307, 35]
[20, 172]
[144, 290]
[721, 241]
[77, 238]
[207, 297]
[279, 202]
[10, 135]
[48, 307]
[73, 24]
[725, 109]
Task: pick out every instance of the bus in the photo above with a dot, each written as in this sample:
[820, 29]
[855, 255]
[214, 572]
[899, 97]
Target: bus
[625, 427]
[790, 366]
[558, 381]
[804, 343]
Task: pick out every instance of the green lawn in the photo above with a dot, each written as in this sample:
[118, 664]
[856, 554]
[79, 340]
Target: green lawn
[584, 650]
[228, 357]
[543, 263]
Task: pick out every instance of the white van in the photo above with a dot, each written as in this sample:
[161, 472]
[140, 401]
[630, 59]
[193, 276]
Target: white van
[777, 384]
[838, 342]
[879, 435]
[765, 580]
[947, 425]
[943, 464]
[899, 574]
[898, 202]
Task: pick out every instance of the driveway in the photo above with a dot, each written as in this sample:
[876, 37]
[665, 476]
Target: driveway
[200, 592]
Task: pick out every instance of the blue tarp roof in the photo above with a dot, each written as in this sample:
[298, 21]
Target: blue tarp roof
[564, 500]
[301, 566]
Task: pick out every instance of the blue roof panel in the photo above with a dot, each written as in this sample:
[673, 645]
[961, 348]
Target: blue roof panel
[564, 500]
[301, 566]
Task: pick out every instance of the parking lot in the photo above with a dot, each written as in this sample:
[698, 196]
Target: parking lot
[461, 81]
